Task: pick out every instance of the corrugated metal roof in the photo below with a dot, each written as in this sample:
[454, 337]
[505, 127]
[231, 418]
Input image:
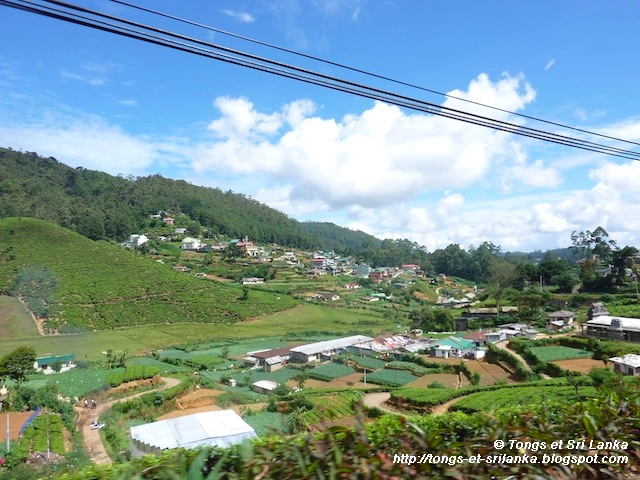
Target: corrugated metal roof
[222, 428]
[327, 345]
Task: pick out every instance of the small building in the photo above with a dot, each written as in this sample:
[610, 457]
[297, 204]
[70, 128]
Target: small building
[43, 364]
[180, 230]
[265, 387]
[457, 348]
[628, 364]
[327, 297]
[560, 320]
[318, 351]
[274, 363]
[191, 244]
[222, 428]
[252, 281]
[168, 220]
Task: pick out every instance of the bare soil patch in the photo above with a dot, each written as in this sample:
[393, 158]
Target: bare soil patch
[490, 373]
[582, 365]
[16, 420]
[199, 398]
[450, 380]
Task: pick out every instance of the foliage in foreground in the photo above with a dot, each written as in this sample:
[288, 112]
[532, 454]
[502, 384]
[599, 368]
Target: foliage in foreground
[374, 450]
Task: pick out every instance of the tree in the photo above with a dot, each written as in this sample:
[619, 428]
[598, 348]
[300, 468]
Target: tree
[502, 274]
[623, 259]
[18, 363]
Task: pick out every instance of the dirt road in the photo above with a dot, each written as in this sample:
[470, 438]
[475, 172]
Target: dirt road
[91, 438]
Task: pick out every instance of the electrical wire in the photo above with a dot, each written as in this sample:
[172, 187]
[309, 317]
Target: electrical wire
[364, 72]
[290, 71]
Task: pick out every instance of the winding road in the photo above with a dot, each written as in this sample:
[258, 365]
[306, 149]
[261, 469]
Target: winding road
[91, 438]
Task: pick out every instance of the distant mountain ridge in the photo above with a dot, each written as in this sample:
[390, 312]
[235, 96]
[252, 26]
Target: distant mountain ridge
[101, 206]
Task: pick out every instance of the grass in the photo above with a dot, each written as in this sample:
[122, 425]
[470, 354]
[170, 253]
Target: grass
[303, 321]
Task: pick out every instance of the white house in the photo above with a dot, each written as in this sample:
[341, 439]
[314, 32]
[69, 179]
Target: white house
[43, 364]
[191, 244]
[628, 364]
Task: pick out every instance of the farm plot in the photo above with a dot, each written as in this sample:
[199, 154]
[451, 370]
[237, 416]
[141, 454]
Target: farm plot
[450, 380]
[331, 407]
[525, 395]
[490, 373]
[279, 376]
[77, 382]
[330, 371]
[557, 352]
[391, 378]
[582, 365]
[368, 362]
[411, 367]
[353, 381]
[162, 366]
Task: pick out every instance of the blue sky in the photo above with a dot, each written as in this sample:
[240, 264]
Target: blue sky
[104, 102]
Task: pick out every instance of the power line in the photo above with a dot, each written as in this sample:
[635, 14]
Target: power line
[365, 72]
[297, 73]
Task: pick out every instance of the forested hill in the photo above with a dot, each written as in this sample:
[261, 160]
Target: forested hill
[340, 239]
[102, 206]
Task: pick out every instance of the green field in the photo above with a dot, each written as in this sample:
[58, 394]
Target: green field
[392, 378]
[556, 352]
[330, 371]
[307, 321]
[521, 395]
[76, 382]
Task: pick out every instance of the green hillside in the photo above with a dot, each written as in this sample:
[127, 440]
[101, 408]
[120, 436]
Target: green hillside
[77, 284]
[102, 206]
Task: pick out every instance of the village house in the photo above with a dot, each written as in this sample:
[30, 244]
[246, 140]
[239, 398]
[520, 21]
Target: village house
[628, 364]
[189, 243]
[320, 351]
[252, 281]
[248, 248]
[44, 364]
[327, 297]
[265, 387]
[560, 320]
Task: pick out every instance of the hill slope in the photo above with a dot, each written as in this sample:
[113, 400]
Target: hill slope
[101, 206]
[74, 283]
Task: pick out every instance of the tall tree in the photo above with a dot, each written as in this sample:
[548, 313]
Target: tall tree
[502, 274]
[18, 363]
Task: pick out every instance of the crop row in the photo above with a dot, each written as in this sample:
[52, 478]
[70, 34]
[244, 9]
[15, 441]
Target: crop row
[391, 378]
[523, 395]
[330, 371]
[45, 433]
[131, 373]
[555, 353]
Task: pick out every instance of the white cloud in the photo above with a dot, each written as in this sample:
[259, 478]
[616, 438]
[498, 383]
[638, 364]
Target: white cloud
[381, 156]
[243, 17]
[90, 143]
[584, 116]
[128, 102]
[550, 64]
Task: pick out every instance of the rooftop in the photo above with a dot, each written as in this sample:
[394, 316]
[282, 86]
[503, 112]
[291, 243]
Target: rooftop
[222, 428]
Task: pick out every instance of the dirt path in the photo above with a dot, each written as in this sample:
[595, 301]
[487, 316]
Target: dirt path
[91, 438]
[444, 407]
[379, 400]
[503, 345]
